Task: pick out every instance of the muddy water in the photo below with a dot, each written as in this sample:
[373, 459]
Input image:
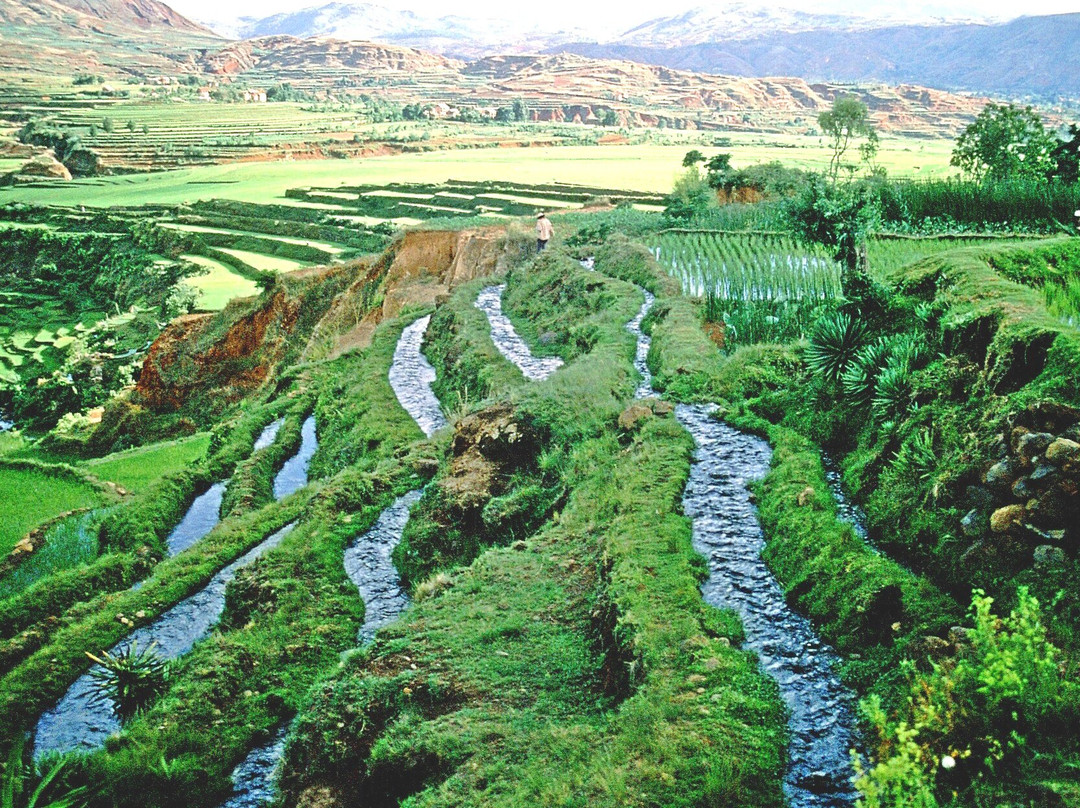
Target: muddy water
[78, 724]
[726, 531]
[411, 377]
[294, 474]
[506, 339]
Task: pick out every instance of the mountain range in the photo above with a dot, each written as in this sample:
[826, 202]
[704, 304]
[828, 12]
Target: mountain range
[1028, 57]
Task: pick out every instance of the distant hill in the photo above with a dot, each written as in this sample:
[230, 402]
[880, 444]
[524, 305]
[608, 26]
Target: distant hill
[111, 37]
[1030, 56]
[145, 15]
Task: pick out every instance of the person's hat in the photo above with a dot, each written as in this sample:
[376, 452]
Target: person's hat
[540, 215]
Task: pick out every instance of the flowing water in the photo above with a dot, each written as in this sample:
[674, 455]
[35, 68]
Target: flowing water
[411, 377]
[506, 339]
[726, 531]
[81, 723]
[367, 559]
[846, 511]
[200, 519]
[268, 435]
[294, 474]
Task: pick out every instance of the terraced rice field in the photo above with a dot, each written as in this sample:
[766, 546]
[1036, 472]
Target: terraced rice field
[220, 284]
[29, 497]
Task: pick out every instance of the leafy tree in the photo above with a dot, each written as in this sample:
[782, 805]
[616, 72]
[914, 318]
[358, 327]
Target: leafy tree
[519, 110]
[840, 217]
[1005, 141]
[1067, 156]
[690, 197]
[848, 119]
[692, 158]
[609, 118]
[107, 124]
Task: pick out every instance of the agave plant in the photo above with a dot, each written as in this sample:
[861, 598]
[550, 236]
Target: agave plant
[835, 341]
[916, 459]
[130, 679]
[862, 371]
[892, 390]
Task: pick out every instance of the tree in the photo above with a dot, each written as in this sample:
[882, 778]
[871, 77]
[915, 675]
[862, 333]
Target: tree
[1067, 156]
[690, 197]
[848, 118]
[609, 118]
[519, 110]
[839, 217]
[692, 158]
[1005, 141]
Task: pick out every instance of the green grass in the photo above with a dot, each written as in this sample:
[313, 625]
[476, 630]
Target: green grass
[28, 497]
[220, 284]
[268, 263]
[633, 167]
[68, 544]
[136, 469]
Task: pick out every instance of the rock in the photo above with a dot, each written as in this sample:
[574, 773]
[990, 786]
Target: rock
[661, 407]
[1072, 433]
[425, 466]
[974, 523]
[1056, 508]
[44, 166]
[1045, 474]
[958, 635]
[1005, 518]
[24, 547]
[978, 497]
[1014, 436]
[805, 497]
[1047, 556]
[1063, 452]
[1033, 444]
[1002, 475]
[1023, 488]
[634, 415]
[935, 647]
[548, 337]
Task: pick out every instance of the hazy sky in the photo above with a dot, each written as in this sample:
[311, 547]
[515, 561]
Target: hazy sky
[564, 14]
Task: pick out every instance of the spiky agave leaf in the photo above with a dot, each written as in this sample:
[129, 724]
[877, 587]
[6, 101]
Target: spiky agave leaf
[836, 339]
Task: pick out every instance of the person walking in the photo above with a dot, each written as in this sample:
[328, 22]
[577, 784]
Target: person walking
[544, 231]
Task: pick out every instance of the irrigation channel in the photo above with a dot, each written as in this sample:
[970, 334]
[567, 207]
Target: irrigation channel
[80, 721]
[506, 339]
[726, 531]
[367, 559]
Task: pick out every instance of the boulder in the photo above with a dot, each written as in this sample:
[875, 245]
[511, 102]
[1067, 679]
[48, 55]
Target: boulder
[1057, 508]
[1047, 556]
[1003, 519]
[1023, 488]
[1001, 476]
[1033, 444]
[634, 415]
[1063, 452]
[974, 523]
[661, 407]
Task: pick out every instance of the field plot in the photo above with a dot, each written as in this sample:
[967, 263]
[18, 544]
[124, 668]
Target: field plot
[464, 198]
[760, 288]
[135, 469]
[29, 497]
[220, 284]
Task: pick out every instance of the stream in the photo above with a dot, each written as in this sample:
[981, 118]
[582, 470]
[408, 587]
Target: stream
[79, 723]
[294, 474]
[726, 531]
[846, 510]
[367, 558]
[506, 339]
[411, 377]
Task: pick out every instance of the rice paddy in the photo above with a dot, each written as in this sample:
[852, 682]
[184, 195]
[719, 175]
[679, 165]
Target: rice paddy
[28, 497]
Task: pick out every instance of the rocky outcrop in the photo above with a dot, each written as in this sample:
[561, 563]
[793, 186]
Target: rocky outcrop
[1028, 505]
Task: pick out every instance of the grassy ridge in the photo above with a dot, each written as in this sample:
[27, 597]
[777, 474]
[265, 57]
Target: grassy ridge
[578, 667]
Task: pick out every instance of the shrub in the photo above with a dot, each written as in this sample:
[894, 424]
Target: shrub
[835, 341]
[131, 679]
